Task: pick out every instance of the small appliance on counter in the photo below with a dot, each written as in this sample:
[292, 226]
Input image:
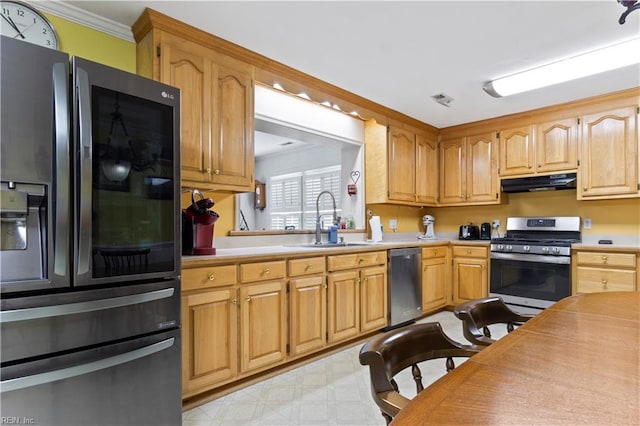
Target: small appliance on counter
[197, 226]
[428, 221]
[469, 232]
[485, 231]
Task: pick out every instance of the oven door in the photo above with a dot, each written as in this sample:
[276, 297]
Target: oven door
[530, 280]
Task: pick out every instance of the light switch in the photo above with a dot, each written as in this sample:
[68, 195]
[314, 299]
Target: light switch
[586, 224]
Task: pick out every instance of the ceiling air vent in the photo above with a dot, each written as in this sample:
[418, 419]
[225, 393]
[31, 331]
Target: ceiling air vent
[443, 99]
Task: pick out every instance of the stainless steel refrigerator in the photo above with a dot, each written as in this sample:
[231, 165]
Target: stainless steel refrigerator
[89, 243]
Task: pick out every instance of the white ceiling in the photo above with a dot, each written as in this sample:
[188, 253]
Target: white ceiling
[399, 54]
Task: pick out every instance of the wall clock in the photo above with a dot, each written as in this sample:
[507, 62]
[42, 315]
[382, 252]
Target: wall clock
[23, 22]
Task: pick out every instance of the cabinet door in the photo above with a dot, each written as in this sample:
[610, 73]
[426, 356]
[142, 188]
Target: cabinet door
[232, 135]
[373, 298]
[482, 168]
[591, 280]
[453, 172]
[516, 152]
[308, 314]
[402, 150]
[469, 279]
[343, 305]
[426, 170]
[557, 146]
[187, 66]
[209, 339]
[435, 285]
[262, 325]
[609, 156]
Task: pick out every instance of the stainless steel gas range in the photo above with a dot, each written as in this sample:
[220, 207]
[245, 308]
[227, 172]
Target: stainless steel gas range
[531, 264]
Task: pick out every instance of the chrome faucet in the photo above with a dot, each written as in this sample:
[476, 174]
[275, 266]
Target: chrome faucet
[335, 217]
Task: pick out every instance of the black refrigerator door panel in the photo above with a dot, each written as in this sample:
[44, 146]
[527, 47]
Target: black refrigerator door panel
[34, 167]
[132, 383]
[40, 325]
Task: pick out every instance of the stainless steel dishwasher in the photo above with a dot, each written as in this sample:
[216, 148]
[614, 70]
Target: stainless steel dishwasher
[405, 289]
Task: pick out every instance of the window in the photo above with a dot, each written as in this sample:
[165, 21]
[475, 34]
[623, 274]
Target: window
[293, 197]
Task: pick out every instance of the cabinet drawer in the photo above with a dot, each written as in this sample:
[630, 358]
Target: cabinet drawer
[262, 271]
[596, 280]
[210, 276]
[624, 260]
[356, 260]
[470, 251]
[434, 252]
[308, 266]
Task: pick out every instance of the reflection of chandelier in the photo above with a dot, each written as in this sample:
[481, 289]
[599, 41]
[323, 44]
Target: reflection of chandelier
[122, 154]
[631, 6]
[114, 167]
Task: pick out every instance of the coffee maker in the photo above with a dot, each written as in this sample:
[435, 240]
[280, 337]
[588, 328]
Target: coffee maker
[197, 226]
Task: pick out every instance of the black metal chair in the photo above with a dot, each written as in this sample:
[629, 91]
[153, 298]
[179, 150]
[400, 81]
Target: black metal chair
[476, 315]
[390, 353]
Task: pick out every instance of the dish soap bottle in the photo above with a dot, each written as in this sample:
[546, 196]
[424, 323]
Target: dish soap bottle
[333, 234]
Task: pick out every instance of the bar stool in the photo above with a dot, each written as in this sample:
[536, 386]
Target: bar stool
[476, 315]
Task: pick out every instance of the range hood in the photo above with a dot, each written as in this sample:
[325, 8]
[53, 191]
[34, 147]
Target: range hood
[540, 183]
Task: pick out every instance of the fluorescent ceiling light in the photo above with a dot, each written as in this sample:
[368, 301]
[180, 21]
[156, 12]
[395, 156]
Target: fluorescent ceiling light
[601, 60]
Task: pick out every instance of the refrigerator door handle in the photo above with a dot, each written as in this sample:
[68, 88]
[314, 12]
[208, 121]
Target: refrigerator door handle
[61, 123]
[80, 307]
[85, 170]
[78, 370]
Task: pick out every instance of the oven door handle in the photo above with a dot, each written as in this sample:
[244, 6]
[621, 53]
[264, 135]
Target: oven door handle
[537, 258]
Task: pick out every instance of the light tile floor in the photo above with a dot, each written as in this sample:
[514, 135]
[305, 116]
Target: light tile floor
[334, 390]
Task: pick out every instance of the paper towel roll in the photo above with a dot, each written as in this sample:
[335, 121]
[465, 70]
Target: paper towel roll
[376, 229]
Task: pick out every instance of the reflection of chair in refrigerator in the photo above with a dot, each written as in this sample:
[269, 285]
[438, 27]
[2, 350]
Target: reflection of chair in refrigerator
[125, 261]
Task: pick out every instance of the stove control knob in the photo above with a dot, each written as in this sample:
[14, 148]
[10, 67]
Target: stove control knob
[545, 250]
[500, 247]
[555, 250]
[509, 247]
[526, 249]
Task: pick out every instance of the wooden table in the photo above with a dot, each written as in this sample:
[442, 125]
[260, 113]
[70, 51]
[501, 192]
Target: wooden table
[576, 363]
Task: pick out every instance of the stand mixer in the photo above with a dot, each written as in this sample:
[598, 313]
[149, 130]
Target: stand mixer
[428, 221]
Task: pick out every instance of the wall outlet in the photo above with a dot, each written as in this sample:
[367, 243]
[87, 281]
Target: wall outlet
[586, 223]
[393, 224]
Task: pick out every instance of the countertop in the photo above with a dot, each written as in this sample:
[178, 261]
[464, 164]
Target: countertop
[628, 244]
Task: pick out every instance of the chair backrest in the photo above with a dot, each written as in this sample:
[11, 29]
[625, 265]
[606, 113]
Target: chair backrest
[389, 353]
[476, 315]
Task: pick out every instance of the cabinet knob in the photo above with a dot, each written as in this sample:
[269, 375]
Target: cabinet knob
[539, 165]
[604, 284]
[266, 271]
[211, 277]
[216, 172]
[360, 260]
[208, 170]
[469, 251]
[584, 188]
[247, 299]
[604, 259]
[234, 301]
[308, 267]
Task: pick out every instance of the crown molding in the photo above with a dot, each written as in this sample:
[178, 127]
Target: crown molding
[72, 13]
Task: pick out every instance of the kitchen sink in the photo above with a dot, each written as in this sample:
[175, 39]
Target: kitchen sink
[334, 245]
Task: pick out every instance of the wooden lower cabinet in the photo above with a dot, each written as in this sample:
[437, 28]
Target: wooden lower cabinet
[308, 314]
[357, 296]
[436, 284]
[600, 271]
[263, 336]
[210, 339]
[470, 273]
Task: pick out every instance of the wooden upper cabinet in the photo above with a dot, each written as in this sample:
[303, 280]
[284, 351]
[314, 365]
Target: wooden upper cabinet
[469, 170]
[426, 170]
[557, 146]
[609, 154]
[517, 154]
[402, 165]
[217, 115]
[540, 148]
